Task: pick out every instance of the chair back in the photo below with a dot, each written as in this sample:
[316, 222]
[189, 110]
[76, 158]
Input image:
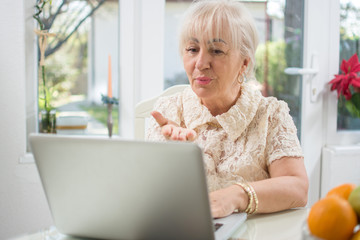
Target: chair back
[143, 109]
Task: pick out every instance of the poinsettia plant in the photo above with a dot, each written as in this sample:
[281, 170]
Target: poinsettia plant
[347, 84]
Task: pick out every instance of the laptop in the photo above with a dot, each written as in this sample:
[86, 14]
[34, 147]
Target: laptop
[104, 188]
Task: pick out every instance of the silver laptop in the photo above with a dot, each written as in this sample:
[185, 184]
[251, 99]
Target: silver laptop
[118, 189]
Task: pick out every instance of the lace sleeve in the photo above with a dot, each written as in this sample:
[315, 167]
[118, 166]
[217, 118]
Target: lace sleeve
[282, 139]
[168, 107]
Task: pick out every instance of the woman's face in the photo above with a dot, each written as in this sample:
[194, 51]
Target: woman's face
[213, 68]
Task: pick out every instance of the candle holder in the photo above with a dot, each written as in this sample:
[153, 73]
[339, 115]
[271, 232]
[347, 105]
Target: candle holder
[109, 101]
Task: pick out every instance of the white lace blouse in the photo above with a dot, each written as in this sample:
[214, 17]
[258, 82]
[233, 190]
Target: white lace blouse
[238, 145]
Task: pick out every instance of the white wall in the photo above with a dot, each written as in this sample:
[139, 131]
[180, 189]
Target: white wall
[23, 207]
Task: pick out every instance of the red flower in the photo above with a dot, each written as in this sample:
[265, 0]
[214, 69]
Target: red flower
[341, 82]
[356, 83]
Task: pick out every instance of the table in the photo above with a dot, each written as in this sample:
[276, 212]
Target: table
[282, 225]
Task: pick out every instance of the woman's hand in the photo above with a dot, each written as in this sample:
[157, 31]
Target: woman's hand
[173, 131]
[225, 201]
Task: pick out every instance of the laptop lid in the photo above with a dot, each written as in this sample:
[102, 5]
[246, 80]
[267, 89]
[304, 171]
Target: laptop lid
[118, 189]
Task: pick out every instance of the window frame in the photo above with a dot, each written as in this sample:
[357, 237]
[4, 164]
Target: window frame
[333, 136]
[31, 73]
[141, 57]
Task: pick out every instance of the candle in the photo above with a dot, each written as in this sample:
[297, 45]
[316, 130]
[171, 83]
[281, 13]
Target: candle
[109, 79]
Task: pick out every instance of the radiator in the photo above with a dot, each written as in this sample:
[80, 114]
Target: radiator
[340, 164]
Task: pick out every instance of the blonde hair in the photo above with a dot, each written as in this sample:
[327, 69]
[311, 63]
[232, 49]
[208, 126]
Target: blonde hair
[212, 19]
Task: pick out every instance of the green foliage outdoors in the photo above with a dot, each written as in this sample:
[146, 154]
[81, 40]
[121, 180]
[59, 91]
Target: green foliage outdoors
[276, 65]
[280, 85]
[99, 112]
[67, 68]
[66, 57]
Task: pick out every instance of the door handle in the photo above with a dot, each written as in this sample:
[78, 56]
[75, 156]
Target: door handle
[312, 72]
[300, 71]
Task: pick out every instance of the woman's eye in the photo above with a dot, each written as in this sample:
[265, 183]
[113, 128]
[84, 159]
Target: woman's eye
[217, 51]
[191, 50]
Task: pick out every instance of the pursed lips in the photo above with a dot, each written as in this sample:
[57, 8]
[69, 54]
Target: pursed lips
[203, 80]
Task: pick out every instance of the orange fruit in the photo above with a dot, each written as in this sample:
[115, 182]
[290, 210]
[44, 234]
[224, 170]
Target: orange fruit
[342, 190]
[356, 236]
[332, 218]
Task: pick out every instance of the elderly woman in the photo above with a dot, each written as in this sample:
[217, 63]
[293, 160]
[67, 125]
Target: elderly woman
[252, 155]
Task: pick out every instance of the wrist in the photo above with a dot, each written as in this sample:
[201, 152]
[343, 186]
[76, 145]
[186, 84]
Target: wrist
[241, 200]
[252, 203]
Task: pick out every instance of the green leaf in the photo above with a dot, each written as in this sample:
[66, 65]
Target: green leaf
[353, 105]
[356, 100]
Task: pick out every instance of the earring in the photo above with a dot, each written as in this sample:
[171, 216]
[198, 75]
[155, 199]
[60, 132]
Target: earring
[241, 79]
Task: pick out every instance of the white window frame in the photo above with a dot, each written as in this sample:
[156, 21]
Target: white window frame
[316, 14]
[335, 137]
[30, 71]
[141, 57]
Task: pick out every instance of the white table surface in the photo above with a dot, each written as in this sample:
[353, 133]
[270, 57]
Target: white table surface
[283, 225]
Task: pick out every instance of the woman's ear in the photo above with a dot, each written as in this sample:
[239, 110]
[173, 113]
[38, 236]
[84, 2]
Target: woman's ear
[246, 63]
[244, 66]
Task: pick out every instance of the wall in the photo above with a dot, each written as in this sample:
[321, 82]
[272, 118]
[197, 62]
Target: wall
[23, 208]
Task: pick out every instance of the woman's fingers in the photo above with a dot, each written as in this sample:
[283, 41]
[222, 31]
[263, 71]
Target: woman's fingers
[175, 133]
[191, 135]
[171, 130]
[182, 134]
[178, 133]
[166, 130]
[160, 119]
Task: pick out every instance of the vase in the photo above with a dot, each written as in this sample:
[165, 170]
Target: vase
[48, 121]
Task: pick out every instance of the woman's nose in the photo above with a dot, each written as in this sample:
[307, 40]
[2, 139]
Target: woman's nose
[203, 60]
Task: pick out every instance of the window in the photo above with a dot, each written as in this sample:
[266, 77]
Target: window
[76, 63]
[341, 129]
[349, 44]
